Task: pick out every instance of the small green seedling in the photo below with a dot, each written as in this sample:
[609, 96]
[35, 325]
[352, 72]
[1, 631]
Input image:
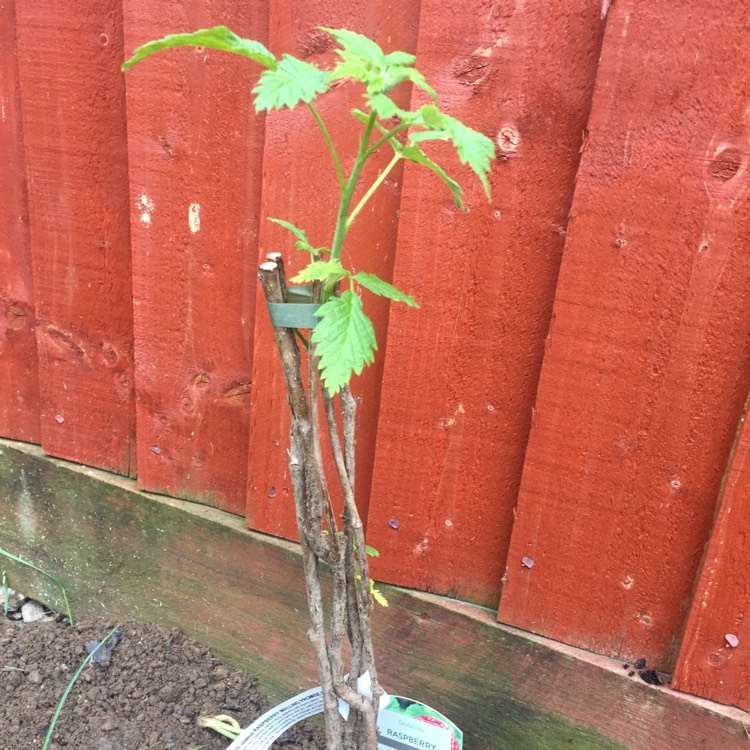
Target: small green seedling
[31, 565]
[66, 692]
[225, 725]
[343, 340]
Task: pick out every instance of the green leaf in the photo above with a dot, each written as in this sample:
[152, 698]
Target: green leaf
[429, 135]
[345, 340]
[383, 289]
[291, 82]
[329, 271]
[474, 148]
[357, 46]
[302, 242]
[364, 61]
[419, 80]
[384, 107]
[400, 58]
[219, 37]
[371, 551]
[415, 154]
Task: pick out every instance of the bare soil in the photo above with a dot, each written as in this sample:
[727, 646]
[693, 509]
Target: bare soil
[150, 696]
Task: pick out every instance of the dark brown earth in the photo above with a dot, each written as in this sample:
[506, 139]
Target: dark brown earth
[156, 686]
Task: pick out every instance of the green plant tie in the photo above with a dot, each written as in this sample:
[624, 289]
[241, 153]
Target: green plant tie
[298, 312]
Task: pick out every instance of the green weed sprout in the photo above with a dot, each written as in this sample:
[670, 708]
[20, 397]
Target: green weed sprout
[72, 682]
[223, 724]
[31, 565]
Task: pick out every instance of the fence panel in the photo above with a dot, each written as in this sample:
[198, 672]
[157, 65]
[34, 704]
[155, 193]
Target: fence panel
[300, 186]
[710, 663]
[195, 149]
[461, 373]
[646, 367]
[73, 100]
[19, 394]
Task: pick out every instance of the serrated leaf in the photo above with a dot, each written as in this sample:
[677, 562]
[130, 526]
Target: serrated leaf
[474, 148]
[419, 80]
[329, 271]
[363, 60]
[383, 289]
[400, 58]
[431, 116]
[384, 107]
[357, 45]
[345, 340]
[218, 37]
[415, 154]
[302, 241]
[291, 82]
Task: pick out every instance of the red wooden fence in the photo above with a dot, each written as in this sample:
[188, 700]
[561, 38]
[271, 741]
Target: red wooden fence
[549, 432]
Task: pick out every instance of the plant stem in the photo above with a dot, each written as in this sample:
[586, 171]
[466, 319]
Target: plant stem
[331, 147]
[348, 191]
[387, 135]
[375, 185]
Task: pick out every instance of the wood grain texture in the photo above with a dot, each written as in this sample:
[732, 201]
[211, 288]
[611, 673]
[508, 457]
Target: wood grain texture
[195, 147]
[708, 664]
[19, 393]
[127, 555]
[73, 100]
[646, 367]
[299, 185]
[460, 374]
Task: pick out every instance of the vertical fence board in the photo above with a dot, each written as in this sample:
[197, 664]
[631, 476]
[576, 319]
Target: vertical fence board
[73, 102]
[708, 664]
[195, 149]
[461, 374]
[19, 393]
[646, 367]
[300, 186]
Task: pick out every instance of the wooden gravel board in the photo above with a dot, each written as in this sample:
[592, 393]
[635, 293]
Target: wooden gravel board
[131, 555]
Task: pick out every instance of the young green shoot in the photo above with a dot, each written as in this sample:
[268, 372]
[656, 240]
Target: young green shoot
[225, 725]
[52, 578]
[344, 336]
[66, 692]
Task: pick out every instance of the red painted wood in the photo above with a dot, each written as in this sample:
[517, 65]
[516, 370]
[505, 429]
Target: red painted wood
[195, 148]
[299, 185]
[646, 365]
[73, 102]
[19, 394]
[707, 664]
[461, 373]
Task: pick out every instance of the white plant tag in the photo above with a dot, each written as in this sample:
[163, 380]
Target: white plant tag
[403, 724]
[266, 729]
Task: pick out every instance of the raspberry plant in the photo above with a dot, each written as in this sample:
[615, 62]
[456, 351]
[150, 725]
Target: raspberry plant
[343, 340]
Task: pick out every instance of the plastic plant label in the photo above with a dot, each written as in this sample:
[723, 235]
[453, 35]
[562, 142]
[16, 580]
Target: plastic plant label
[405, 724]
[262, 733]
